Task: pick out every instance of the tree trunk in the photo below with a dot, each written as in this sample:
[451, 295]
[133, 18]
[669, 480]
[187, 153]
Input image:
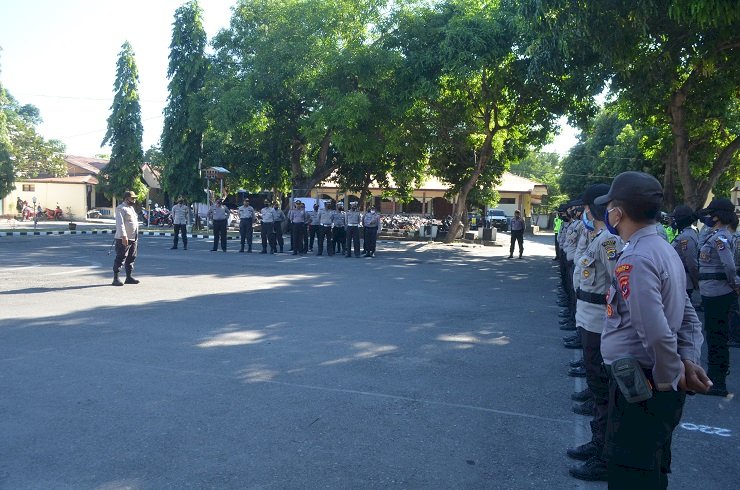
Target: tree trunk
[303, 184]
[364, 192]
[669, 184]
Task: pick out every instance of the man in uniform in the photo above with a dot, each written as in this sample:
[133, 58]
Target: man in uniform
[127, 232]
[314, 225]
[268, 235]
[279, 218]
[246, 222]
[570, 245]
[595, 267]
[686, 244]
[556, 228]
[370, 223]
[325, 217]
[353, 229]
[652, 338]
[180, 218]
[338, 234]
[297, 218]
[517, 234]
[219, 213]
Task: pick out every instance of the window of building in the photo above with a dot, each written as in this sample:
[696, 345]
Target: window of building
[507, 200]
[29, 188]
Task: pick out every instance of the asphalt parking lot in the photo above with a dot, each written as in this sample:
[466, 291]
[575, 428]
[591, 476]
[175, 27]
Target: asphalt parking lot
[429, 366]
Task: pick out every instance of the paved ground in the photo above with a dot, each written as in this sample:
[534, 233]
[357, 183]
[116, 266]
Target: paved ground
[427, 367]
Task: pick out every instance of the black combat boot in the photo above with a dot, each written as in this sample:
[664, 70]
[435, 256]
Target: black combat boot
[130, 279]
[584, 452]
[581, 396]
[116, 280]
[241, 250]
[586, 408]
[593, 469]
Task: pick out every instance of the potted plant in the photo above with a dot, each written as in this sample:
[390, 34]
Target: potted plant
[71, 217]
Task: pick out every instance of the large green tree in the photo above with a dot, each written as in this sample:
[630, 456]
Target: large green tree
[7, 174]
[673, 64]
[124, 130]
[184, 124]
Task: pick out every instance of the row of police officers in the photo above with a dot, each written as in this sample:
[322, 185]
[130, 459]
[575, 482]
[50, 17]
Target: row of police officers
[626, 291]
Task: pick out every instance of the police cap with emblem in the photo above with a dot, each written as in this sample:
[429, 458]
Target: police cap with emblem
[633, 187]
[717, 204]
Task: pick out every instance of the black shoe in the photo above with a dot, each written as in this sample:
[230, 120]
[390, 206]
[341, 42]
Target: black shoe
[214, 250]
[565, 321]
[131, 280]
[263, 252]
[349, 256]
[573, 345]
[511, 256]
[584, 452]
[586, 408]
[185, 247]
[718, 390]
[564, 314]
[174, 247]
[318, 254]
[577, 372]
[116, 280]
[574, 364]
[594, 469]
[571, 338]
[294, 253]
[568, 327]
[241, 251]
[581, 396]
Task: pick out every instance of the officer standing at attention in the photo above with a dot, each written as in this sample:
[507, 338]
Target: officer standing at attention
[353, 229]
[127, 232]
[370, 223]
[719, 286]
[219, 214]
[268, 235]
[686, 244]
[314, 225]
[556, 228]
[180, 216]
[517, 234]
[326, 216]
[338, 234]
[297, 218]
[595, 266]
[651, 343]
[279, 219]
[246, 221]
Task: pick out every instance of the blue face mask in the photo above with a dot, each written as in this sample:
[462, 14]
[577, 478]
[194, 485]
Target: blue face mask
[708, 221]
[589, 224]
[609, 227]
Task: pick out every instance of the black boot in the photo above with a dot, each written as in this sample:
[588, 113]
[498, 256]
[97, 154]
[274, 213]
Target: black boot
[581, 396]
[173, 247]
[116, 280]
[577, 372]
[586, 408]
[719, 383]
[594, 469]
[130, 279]
[584, 452]
[241, 250]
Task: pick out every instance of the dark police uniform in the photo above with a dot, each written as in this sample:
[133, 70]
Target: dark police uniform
[650, 319]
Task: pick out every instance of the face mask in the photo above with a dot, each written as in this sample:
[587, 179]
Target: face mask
[589, 224]
[708, 221]
[612, 229]
[372, 211]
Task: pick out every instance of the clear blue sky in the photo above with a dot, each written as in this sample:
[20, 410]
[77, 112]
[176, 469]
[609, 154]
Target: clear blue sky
[60, 55]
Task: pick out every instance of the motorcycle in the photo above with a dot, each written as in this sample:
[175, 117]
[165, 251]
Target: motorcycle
[53, 214]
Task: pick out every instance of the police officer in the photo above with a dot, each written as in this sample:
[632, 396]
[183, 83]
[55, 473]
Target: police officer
[686, 244]
[127, 232]
[180, 216]
[517, 234]
[314, 225]
[353, 218]
[297, 218]
[219, 213]
[370, 223]
[571, 244]
[595, 266]
[719, 285]
[651, 333]
[556, 228]
[268, 234]
[279, 218]
[246, 221]
[325, 217]
[338, 232]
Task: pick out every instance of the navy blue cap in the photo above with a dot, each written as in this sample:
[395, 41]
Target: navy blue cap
[634, 187]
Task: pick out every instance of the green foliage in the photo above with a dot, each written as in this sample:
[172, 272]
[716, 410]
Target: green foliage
[7, 174]
[544, 168]
[124, 130]
[184, 123]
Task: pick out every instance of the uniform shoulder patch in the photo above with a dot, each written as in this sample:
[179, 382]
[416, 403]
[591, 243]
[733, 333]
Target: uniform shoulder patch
[610, 247]
[624, 284]
[684, 244]
[623, 269]
[720, 243]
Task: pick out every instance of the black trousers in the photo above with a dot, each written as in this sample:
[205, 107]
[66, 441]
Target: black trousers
[219, 233]
[353, 238]
[371, 238]
[313, 232]
[717, 311]
[557, 248]
[278, 227]
[339, 237]
[517, 236]
[638, 438]
[297, 237]
[598, 382]
[125, 255]
[268, 236]
[181, 230]
[325, 234]
[246, 232]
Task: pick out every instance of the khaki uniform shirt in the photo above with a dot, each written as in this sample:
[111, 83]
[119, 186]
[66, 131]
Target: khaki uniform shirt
[596, 268]
[127, 222]
[180, 213]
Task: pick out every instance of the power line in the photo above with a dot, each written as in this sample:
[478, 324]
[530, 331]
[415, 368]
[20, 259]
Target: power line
[70, 97]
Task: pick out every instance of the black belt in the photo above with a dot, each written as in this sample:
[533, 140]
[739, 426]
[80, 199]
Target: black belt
[706, 276]
[593, 298]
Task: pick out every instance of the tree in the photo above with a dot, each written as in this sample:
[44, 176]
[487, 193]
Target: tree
[544, 168]
[125, 130]
[673, 63]
[182, 135]
[7, 173]
[483, 109]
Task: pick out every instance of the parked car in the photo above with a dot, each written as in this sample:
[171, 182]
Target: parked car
[498, 219]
